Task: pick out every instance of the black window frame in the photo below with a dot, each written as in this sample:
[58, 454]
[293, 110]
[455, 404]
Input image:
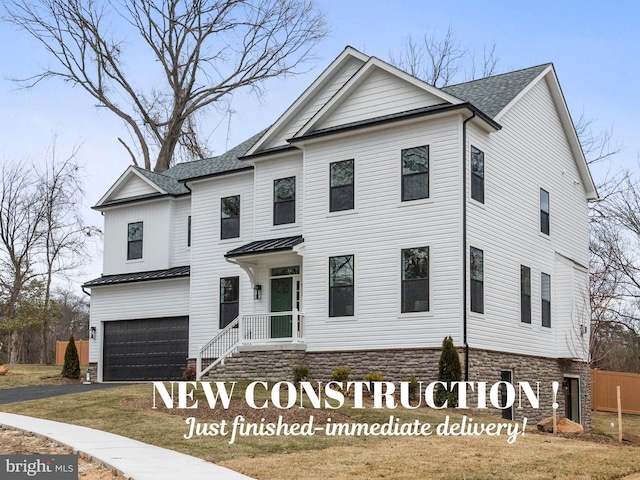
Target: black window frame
[477, 175]
[336, 190]
[134, 244]
[189, 231]
[343, 289]
[229, 300]
[525, 294]
[415, 282]
[545, 215]
[229, 222]
[284, 207]
[411, 177]
[476, 280]
[545, 300]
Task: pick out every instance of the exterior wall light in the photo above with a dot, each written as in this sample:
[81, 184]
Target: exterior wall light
[258, 291]
[92, 333]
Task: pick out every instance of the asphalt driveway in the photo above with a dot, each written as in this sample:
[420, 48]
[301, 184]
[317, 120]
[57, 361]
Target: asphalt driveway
[21, 394]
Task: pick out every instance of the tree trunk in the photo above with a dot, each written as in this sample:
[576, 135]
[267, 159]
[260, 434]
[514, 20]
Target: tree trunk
[168, 147]
[14, 347]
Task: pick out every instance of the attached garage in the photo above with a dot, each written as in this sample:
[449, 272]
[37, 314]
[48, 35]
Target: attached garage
[145, 349]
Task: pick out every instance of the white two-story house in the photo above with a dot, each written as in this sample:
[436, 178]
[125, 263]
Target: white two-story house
[377, 216]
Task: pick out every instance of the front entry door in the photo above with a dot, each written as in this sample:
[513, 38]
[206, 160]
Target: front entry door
[572, 398]
[281, 301]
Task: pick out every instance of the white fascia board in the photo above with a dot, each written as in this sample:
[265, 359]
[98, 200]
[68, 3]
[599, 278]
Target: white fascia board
[123, 179]
[347, 54]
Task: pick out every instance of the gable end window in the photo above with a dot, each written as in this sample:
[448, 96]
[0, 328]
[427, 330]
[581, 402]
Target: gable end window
[415, 173]
[415, 280]
[229, 300]
[477, 174]
[544, 211]
[477, 280]
[525, 294]
[545, 293]
[134, 241]
[230, 217]
[341, 286]
[341, 186]
[284, 201]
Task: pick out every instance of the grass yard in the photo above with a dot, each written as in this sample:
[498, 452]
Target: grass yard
[31, 375]
[127, 411]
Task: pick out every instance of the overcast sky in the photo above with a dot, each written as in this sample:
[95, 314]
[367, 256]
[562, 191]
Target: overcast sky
[593, 45]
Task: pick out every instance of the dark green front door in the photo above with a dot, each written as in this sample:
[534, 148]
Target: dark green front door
[281, 301]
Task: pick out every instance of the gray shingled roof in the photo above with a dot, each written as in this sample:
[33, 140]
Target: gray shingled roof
[492, 94]
[175, 272]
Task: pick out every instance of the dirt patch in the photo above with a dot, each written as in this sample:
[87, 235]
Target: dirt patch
[16, 442]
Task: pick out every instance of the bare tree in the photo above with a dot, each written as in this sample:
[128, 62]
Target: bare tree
[205, 50]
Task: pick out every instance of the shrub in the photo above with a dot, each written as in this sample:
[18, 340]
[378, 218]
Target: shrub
[340, 374]
[449, 370]
[189, 373]
[300, 373]
[414, 386]
[373, 377]
[71, 368]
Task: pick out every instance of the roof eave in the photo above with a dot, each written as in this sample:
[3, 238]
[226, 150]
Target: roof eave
[215, 174]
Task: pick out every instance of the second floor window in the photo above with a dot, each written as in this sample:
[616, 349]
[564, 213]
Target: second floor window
[341, 186]
[544, 211]
[525, 294]
[341, 286]
[284, 201]
[134, 241]
[415, 280]
[230, 217]
[545, 293]
[477, 280]
[415, 173]
[229, 300]
[477, 174]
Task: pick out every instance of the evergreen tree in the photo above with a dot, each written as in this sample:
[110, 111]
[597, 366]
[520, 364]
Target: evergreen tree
[449, 370]
[71, 368]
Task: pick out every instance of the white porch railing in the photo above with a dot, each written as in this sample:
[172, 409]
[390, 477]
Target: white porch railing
[266, 328]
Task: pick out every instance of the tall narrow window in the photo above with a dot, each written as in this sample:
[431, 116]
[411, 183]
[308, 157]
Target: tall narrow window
[545, 293]
[544, 211]
[525, 294]
[284, 201]
[229, 300]
[189, 231]
[415, 173]
[341, 286]
[230, 217]
[341, 186]
[415, 279]
[134, 241]
[477, 174]
[477, 280]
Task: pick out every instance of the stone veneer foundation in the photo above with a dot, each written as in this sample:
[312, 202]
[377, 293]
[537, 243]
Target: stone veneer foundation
[395, 365]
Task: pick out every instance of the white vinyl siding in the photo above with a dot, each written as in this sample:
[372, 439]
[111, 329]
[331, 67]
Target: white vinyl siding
[133, 187]
[180, 251]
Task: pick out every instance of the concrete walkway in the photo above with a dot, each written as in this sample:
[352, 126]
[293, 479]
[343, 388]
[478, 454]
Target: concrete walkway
[133, 459]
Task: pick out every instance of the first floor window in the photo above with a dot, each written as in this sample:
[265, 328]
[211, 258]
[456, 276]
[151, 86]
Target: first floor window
[545, 293]
[341, 286]
[341, 186]
[477, 280]
[525, 294]
[284, 201]
[415, 173]
[134, 241]
[230, 217]
[477, 174]
[544, 211]
[415, 279]
[229, 300]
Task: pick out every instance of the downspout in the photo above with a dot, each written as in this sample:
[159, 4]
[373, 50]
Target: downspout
[85, 292]
[464, 246]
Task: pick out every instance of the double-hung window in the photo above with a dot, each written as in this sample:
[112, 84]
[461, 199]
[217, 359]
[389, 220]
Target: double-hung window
[341, 186]
[545, 294]
[477, 174]
[477, 280]
[284, 201]
[341, 286]
[415, 280]
[525, 294]
[544, 211]
[229, 300]
[134, 241]
[415, 173]
[230, 217]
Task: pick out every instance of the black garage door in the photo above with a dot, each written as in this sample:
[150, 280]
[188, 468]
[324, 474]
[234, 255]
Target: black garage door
[147, 349]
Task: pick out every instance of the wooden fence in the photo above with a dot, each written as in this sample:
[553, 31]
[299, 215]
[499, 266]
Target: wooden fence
[603, 391]
[83, 351]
